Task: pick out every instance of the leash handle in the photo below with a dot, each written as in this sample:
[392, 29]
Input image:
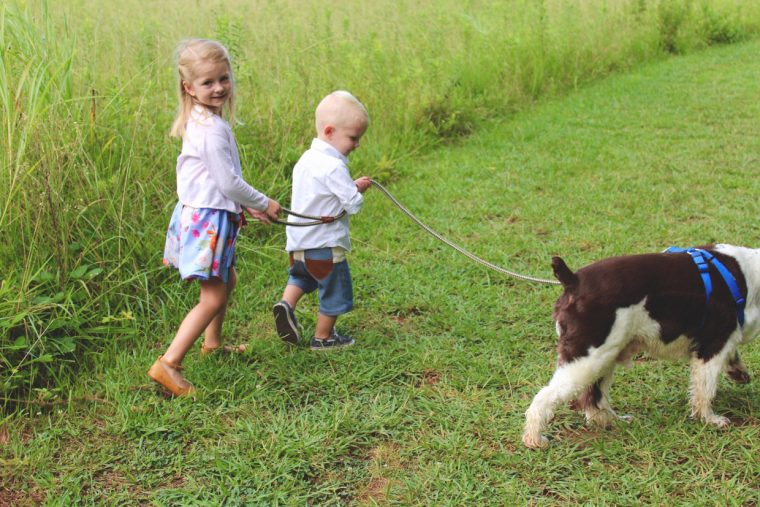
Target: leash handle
[314, 220]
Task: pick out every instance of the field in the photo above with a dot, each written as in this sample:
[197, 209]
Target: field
[520, 130]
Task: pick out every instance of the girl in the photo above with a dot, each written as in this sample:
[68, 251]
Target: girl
[200, 241]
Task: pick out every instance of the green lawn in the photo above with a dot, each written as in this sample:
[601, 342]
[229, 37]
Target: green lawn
[427, 408]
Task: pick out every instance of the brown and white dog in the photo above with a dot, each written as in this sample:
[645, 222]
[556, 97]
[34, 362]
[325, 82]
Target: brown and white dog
[652, 303]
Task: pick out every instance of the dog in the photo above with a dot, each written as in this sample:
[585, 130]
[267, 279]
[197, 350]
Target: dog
[663, 304]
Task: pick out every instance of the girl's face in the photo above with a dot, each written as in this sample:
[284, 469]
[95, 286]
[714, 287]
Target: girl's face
[212, 85]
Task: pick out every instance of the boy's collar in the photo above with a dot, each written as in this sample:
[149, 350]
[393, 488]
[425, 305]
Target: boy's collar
[325, 147]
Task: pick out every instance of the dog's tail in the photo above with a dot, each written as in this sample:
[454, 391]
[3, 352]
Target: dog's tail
[566, 277]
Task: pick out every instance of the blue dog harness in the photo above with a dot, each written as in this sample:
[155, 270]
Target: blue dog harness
[701, 258]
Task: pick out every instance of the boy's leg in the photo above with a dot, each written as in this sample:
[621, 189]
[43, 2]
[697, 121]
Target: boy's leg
[335, 298]
[325, 326]
[325, 336]
[284, 315]
[292, 294]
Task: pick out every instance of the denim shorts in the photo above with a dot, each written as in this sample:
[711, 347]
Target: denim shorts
[332, 280]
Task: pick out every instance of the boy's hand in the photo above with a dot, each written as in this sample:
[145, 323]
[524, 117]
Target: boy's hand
[363, 183]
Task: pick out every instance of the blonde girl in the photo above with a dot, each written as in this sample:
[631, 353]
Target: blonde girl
[200, 241]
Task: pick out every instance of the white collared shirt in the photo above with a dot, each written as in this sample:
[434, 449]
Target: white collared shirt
[322, 186]
[208, 168]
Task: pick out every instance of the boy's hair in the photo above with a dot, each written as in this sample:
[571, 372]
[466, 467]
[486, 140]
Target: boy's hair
[188, 54]
[332, 110]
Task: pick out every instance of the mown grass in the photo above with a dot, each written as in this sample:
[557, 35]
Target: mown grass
[427, 408]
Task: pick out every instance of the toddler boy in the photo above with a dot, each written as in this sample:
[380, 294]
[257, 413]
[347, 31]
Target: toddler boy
[322, 186]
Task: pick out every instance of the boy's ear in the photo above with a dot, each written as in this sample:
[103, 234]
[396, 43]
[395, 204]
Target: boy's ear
[328, 130]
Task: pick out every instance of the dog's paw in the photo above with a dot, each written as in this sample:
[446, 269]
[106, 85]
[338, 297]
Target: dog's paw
[601, 418]
[532, 442]
[606, 418]
[718, 421]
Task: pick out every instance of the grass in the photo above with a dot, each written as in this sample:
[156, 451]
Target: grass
[427, 409]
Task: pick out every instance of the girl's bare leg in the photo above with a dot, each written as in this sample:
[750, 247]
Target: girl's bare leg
[213, 300]
[213, 333]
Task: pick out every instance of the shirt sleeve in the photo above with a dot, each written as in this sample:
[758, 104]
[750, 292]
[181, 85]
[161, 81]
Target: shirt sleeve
[343, 187]
[216, 155]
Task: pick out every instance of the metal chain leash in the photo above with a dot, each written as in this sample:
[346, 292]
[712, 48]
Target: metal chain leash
[458, 248]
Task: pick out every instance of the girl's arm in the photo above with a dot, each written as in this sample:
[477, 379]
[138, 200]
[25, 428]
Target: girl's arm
[217, 157]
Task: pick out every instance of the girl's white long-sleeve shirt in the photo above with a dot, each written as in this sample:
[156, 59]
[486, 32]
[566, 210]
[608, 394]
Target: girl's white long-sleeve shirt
[322, 186]
[208, 167]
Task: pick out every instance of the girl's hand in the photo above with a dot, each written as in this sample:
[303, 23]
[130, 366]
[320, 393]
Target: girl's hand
[363, 183]
[259, 215]
[273, 209]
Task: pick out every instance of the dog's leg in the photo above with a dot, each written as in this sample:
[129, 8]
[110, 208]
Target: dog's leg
[702, 387]
[568, 381]
[736, 370]
[595, 403]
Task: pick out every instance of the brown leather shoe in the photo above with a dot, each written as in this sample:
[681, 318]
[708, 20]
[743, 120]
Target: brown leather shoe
[168, 375]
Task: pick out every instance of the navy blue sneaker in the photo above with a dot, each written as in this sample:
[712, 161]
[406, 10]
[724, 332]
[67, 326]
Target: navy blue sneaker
[335, 341]
[286, 323]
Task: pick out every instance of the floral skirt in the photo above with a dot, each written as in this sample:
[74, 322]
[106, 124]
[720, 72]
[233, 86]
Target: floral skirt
[200, 242]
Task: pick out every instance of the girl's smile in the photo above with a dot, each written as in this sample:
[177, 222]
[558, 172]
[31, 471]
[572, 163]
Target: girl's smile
[211, 86]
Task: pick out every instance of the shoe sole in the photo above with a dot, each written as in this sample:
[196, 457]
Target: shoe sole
[286, 328]
[159, 376]
[334, 347]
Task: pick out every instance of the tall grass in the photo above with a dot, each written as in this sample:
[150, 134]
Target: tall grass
[87, 169]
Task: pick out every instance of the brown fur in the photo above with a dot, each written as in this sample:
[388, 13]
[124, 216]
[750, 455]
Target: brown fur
[675, 299]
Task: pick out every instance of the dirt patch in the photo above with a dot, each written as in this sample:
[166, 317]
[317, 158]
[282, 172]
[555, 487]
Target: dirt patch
[386, 456]
[11, 495]
[402, 314]
[384, 461]
[430, 378]
[374, 492]
[398, 319]
[748, 421]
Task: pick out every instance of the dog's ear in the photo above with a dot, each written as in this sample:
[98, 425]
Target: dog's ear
[566, 277]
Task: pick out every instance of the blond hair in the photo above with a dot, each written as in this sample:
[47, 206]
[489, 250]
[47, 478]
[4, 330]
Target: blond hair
[189, 53]
[340, 108]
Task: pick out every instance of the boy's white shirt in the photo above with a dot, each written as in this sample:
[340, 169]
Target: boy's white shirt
[208, 167]
[322, 186]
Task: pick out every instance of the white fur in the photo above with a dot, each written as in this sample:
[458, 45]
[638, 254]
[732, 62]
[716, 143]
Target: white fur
[749, 262]
[570, 379]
